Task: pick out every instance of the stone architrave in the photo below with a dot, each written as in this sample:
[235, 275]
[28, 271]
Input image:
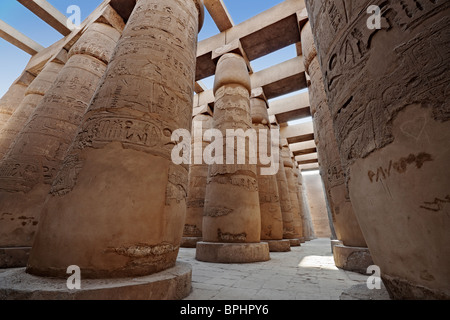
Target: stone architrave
[42, 144]
[33, 96]
[291, 181]
[269, 199]
[232, 219]
[289, 231]
[198, 175]
[117, 205]
[388, 91]
[14, 96]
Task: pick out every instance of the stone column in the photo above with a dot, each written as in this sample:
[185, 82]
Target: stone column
[232, 219]
[269, 198]
[14, 96]
[292, 189]
[33, 95]
[285, 202]
[42, 144]
[352, 254]
[117, 205]
[304, 209]
[198, 175]
[388, 95]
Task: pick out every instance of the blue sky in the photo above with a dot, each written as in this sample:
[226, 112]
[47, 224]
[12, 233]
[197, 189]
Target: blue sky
[14, 60]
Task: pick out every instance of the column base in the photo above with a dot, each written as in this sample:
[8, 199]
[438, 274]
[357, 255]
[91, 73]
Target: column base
[295, 242]
[190, 242]
[402, 289]
[232, 252]
[170, 284]
[302, 240]
[334, 243]
[354, 259]
[16, 257]
[278, 245]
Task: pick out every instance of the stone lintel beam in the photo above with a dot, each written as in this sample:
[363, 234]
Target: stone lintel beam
[291, 108]
[234, 46]
[260, 35]
[103, 13]
[219, 14]
[123, 7]
[308, 167]
[48, 14]
[304, 152]
[307, 162]
[18, 39]
[200, 87]
[281, 79]
[298, 133]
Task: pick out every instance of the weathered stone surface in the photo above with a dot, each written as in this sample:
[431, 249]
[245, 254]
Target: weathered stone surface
[291, 181]
[285, 199]
[41, 145]
[269, 199]
[232, 219]
[388, 95]
[13, 97]
[333, 174]
[33, 95]
[353, 258]
[308, 232]
[14, 257]
[279, 245]
[232, 212]
[170, 284]
[232, 252]
[123, 151]
[198, 175]
[317, 205]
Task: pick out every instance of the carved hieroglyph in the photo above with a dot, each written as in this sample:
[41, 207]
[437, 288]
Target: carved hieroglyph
[388, 92]
[232, 212]
[269, 199]
[292, 188]
[198, 175]
[30, 165]
[14, 96]
[33, 95]
[285, 199]
[118, 203]
[333, 175]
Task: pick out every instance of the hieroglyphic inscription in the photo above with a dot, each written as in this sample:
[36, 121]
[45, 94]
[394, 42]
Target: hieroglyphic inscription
[399, 166]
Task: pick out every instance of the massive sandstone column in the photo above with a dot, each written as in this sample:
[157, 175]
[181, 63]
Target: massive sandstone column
[269, 198]
[42, 144]
[353, 254]
[14, 96]
[303, 204]
[292, 189]
[118, 203]
[33, 95]
[198, 175]
[232, 220]
[388, 91]
[289, 231]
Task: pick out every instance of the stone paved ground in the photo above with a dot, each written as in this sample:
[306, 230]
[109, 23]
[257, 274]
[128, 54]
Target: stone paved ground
[306, 273]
